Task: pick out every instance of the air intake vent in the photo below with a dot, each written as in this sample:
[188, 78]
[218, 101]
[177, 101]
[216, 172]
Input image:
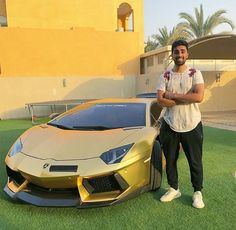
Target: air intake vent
[63, 168]
[101, 184]
[16, 176]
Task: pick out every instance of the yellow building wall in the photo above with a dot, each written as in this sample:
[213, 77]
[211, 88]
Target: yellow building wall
[35, 62]
[219, 96]
[78, 52]
[64, 14]
[72, 38]
[66, 49]
[16, 92]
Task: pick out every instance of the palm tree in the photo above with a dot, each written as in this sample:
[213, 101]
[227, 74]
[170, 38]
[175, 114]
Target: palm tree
[198, 27]
[150, 45]
[165, 38]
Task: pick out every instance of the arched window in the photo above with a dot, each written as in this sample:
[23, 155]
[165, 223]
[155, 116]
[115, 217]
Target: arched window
[125, 18]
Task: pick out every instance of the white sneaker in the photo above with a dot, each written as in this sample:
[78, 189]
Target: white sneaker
[170, 195]
[197, 200]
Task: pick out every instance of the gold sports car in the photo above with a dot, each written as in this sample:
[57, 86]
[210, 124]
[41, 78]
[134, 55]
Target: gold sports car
[99, 153]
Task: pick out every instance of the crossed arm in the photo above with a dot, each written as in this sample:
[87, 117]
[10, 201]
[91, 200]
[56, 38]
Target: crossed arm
[168, 99]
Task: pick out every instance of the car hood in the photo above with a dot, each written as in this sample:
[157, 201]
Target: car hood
[47, 142]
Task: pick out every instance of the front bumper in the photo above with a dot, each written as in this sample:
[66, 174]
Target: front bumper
[45, 199]
[92, 191]
[62, 200]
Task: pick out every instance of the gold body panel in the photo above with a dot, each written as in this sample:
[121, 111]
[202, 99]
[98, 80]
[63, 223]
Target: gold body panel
[45, 147]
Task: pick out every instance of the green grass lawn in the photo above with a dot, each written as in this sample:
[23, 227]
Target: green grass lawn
[145, 211]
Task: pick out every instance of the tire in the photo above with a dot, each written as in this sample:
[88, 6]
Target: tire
[156, 167]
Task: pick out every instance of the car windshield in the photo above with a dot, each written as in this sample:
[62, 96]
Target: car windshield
[102, 116]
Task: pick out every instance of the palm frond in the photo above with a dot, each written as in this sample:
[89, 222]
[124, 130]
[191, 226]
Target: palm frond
[197, 27]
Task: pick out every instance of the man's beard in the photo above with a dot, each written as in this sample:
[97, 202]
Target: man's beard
[179, 62]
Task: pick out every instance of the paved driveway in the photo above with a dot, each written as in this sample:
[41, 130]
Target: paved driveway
[222, 120]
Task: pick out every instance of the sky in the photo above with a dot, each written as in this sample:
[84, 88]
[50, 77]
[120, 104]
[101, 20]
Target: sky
[160, 13]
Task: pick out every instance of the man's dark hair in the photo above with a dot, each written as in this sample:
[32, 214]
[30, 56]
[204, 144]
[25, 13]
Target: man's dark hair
[179, 42]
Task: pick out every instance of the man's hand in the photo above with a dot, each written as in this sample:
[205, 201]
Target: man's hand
[163, 101]
[195, 95]
[169, 95]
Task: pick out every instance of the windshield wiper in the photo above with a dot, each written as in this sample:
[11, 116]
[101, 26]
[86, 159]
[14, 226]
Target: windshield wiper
[60, 126]
[97, 127]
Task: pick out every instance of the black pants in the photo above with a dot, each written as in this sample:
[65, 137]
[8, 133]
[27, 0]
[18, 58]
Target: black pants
[192, 145]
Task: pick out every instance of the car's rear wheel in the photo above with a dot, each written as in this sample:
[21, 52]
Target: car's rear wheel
[156, 166]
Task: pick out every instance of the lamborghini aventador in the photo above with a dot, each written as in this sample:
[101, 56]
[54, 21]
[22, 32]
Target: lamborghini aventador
[99, 153]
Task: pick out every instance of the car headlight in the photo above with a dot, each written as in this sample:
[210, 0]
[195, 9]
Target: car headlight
[115, 155]
[16, 147]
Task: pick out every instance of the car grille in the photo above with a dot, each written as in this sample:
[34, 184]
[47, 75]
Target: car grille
[19, 179]
[102, 184]
[35, 187]
[107, 183]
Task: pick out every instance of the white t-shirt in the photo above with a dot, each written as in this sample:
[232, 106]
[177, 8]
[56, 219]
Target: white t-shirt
[182, 117]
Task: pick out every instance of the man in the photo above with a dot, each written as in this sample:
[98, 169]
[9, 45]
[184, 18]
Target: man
[180, 90]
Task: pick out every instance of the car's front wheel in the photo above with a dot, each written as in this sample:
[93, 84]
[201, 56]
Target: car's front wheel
[156, 166]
